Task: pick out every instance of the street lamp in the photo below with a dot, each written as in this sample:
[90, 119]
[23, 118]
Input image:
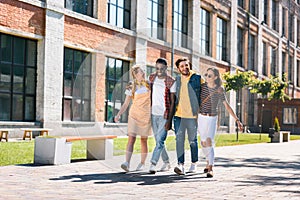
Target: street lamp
[237, 127]
[261, 115]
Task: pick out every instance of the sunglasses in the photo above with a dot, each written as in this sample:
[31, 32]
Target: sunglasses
[208, 75]
[160, 68]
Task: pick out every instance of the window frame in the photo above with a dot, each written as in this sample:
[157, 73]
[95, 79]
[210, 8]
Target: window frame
[205, 35]
[158, 31]
[87, 10]
[25, 89]
[114, 80]
[180, 23]
[221, 49]
[71, 97]
[126, 13]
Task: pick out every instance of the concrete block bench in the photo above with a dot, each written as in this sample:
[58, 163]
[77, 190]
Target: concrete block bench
[57, 150]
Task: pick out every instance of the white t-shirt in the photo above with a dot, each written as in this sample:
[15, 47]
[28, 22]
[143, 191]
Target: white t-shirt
[158, 96]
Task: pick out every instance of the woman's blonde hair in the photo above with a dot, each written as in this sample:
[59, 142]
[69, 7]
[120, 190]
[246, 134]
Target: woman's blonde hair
[134, 70]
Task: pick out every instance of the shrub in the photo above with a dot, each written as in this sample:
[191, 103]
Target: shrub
[276, 125]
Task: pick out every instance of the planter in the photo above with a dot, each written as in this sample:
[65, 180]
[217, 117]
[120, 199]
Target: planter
[281, 136]
[52, 150]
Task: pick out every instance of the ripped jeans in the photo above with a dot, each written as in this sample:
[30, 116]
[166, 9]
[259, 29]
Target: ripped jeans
[182, 125]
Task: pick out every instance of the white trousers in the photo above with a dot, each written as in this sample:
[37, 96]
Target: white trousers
[207, 127]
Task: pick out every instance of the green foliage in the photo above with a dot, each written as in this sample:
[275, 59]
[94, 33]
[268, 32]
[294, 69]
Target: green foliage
[273, 87]
[238, 80]
[276, 125]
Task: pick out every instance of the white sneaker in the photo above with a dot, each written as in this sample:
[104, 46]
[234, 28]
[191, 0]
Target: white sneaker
[152, 169]
[125, 166]
[179, 169]
[165, 167]
[140, 167]
[193, 168]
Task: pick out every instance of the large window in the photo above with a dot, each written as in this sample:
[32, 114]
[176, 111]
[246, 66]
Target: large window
[221, 39]
[17, 78]
[155, 18]
[284, 22]
[204, 32]
[77, 85]
[290, 115]
[117, 78]
[252, 7]
[251, 54]
[264, 57]
[290, 69]
[266, 8]
[273, 63]
[240, 43]
[274, 20]
[180, 22]
[298, 73]
[81, 6]
[119, 13]
[241, 3]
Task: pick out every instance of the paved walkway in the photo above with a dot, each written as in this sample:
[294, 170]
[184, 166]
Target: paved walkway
[257, 171]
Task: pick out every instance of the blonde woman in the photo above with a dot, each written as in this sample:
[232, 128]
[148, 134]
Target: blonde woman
[139, 118]
[211, 94]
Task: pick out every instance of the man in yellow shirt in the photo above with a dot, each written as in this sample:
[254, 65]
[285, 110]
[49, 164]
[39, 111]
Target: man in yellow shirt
[188, 88]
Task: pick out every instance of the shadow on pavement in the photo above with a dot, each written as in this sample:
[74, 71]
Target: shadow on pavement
[141, 178]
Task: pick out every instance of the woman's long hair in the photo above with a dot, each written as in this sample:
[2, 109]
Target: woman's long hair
[134, 70]
[216, 72]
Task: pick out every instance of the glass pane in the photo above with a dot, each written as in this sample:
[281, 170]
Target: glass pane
[125, 71]
[155, 10]
[18, 78]
[87, 87]
[68, 60]
[76, 106]
[126, 20]
[29, 108]
[67, 109]
[31, 53]
[4, 106]
[19, 51]
[68, 84]
[6, 48]
[86, 113]
[127, 4]
[112, 15]
[77, 87]
[5, 77]
[87, 65]
[149, 10]
[118, 69]
[17, 113]
[120, 17]
[30, 81]
[77, 62]
[121, 3]
[113, 2]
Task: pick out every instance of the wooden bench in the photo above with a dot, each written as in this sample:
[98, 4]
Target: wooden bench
[28, 132]
[57, 150]
[4, 133]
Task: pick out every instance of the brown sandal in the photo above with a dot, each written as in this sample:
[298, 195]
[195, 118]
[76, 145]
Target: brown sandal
[205, 170]
[210, 174]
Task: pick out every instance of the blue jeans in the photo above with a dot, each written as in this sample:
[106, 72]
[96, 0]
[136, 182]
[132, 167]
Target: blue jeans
[160, 134]
[190, 125]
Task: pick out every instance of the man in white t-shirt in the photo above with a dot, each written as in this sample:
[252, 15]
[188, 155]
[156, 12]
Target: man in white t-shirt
[163, 99]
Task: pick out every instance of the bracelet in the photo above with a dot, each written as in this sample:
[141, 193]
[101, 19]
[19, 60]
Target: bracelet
[237, 120]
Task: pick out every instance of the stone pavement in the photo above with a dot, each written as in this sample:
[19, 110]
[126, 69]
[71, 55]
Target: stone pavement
[256, 171]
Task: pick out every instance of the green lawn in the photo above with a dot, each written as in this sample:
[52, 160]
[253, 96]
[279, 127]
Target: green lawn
[22, 152]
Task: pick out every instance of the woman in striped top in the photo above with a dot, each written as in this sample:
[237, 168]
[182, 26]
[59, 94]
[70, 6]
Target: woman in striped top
[211, 94]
